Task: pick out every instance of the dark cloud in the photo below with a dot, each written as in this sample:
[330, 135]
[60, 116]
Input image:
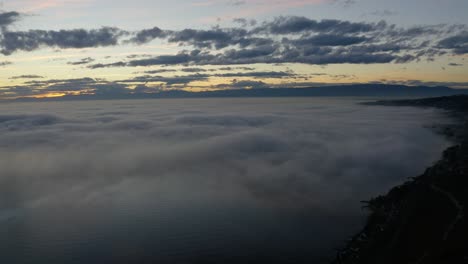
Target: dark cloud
[184, 80]
[160, 71]
[295, 24]
[86, 86]
[20, 91]
[274, 54]
[148, 35]
[107, 65]
[248, 84]
[59, 81]
[376, 48]
[236, 68]
[194, 70]
[198, 70]
[98, 88]
[8, 18]
[204, 77]
[458, 43]
[78, 38]
[133, 56]
[245, 22]
[215, 38]
[142, 88]
[26, 77]
[5, 63]
[330, 40]
[290, 39]
[269, 74]
[304, 41]
[78, 86]
[242, 57]
[82, 61]
[240, 54]
[181, 58]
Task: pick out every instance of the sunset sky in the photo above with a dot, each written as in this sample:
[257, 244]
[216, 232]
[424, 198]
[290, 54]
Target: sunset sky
[59, 47]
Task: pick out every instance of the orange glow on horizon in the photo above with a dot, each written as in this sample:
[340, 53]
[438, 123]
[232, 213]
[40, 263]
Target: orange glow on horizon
[53, 95]
[48, 95]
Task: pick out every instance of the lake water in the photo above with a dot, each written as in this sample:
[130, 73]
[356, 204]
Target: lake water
[199, 180]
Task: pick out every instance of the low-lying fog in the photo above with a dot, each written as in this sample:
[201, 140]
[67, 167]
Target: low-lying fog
[199, 180]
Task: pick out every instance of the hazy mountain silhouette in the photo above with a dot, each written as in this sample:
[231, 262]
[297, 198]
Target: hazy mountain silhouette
[340, 90]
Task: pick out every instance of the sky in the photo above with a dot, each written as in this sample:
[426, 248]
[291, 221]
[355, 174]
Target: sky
[72, 47]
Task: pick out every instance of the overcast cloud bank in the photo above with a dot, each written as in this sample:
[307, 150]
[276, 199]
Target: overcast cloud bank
[309, 156]
[301, 145]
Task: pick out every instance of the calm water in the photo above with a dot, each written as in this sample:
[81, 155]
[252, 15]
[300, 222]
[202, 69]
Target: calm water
[199, 181]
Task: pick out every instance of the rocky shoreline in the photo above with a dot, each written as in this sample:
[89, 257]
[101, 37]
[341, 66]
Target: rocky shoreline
[423, 220]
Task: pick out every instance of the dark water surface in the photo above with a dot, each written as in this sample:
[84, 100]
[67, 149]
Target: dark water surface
[199, 181]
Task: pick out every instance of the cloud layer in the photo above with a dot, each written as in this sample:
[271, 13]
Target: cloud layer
[309, 159]
[291, 39]
[269, 142]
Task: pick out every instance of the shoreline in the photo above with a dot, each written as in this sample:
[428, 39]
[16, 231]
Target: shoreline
[424, 219]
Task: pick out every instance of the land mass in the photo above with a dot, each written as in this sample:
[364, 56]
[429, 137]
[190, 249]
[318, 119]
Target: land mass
[425, 219]
[369, 90]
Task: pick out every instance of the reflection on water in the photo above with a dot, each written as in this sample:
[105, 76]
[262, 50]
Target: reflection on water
[198, 181]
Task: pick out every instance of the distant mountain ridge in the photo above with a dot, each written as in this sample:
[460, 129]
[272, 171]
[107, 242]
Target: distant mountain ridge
[368, 90]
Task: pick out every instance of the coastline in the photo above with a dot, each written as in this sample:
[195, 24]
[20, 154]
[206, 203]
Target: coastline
[424, 219]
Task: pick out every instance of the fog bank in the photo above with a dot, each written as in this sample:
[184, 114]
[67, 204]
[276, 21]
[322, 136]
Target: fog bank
[95, 159]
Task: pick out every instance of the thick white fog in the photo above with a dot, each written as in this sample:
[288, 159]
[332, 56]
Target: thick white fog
[92, 159]
[286, 152]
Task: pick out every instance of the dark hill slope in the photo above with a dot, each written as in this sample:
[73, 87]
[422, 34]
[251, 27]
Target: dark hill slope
[424, 220]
